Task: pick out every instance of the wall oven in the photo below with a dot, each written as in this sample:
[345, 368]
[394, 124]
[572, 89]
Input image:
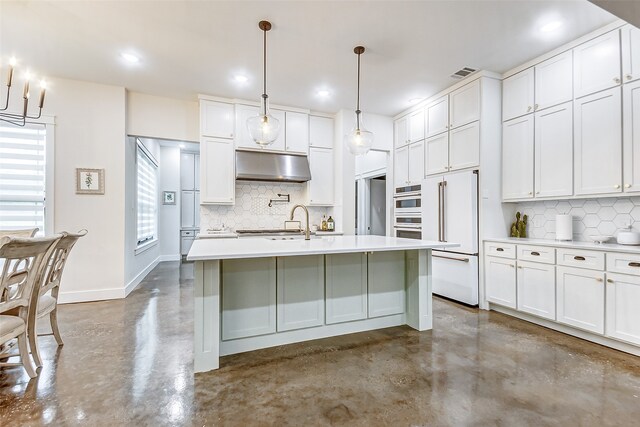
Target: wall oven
[408, 225]
[407, 200]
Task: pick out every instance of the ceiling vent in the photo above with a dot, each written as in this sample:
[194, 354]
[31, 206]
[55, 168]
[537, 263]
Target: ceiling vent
[462, 73]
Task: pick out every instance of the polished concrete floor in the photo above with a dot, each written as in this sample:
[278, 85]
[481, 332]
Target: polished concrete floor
[128, 362]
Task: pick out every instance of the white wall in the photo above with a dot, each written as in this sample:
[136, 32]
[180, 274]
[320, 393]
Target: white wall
[169, 215]
[159, 117]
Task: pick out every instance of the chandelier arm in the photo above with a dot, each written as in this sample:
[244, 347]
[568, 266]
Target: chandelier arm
[6, 104]
[16, 122]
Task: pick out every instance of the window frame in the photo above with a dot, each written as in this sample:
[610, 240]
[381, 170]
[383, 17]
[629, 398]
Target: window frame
[146, 244]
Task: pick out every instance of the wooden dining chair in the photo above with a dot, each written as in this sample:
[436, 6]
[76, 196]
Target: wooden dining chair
[24, 232]
[45, 301]
[23, 261]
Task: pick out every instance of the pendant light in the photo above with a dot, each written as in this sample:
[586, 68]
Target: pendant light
[359, 140]
[264, 128]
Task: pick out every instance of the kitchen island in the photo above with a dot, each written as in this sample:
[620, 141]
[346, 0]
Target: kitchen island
[259, 292]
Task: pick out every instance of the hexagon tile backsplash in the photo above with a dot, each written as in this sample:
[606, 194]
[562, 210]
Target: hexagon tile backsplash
[252, 210]
[603, 217]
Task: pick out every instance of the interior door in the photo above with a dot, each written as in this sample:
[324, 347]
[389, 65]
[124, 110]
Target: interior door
[461, 211]
[431, 201]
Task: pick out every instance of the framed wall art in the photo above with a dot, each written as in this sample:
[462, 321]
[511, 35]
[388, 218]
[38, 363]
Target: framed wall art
[89, 181]
[168, 197]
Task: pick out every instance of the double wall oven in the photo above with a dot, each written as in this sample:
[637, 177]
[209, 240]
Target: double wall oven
[408, 212]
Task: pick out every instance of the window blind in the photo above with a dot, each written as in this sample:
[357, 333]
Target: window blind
[147, 197]
[22, 176]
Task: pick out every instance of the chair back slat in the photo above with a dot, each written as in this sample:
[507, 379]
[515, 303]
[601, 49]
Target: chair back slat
[58, 260]
[24, 232]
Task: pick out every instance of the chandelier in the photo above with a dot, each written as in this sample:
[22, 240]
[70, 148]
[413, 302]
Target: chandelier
[15, 118]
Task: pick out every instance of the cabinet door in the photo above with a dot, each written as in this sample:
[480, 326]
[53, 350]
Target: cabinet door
[386, 283]
[580, 298]
[437, 117]
[217, 157]
[216, 119]
[431, 213]
[537, 289]
[416, 162]
[297, 132]
[623, 300]
[187, 212]
[554, 151]
[416, 126]
[500, 281]
[248, 297]
[320, 132]
[196, 172]
[630, 53]
[196, 209]
[464, 147]
[321, 187]
[243, 113]
[300, 292]
[554, 81]
[631, 121]
[280, 143]
[598, 143]
[517, 94]
[464, 104]
[437, 154]
[596, 64]
[401, 167]
[517, 158]
[187, 171]
[400, 130]
[346, 284]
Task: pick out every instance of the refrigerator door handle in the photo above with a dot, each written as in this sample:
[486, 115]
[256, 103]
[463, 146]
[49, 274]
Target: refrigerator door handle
[439, 212]
[444, 212]
[451, 258]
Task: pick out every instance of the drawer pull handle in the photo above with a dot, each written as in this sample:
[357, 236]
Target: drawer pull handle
[535, 253]
[499, 250]
[609, 280]
[634, 264]
[579, 258]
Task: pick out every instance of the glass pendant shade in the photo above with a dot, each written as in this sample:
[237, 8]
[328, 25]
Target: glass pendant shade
[359, 141]
[263, 128]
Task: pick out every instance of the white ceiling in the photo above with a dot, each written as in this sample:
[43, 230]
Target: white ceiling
[191, 47]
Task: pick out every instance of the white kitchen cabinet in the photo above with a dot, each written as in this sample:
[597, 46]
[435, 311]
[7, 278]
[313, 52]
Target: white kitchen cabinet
[580, 297]
[296, 132]
[464, 146]
[248, 297]
[554, 81]
[187, 171]
[554, 151]
[386, 271]
[623, 300]
[464, 105]
[243, 113]
[437, 154]
[401, 132]
[630, 53]
[500, 281]
[280, 143]
[416, 126]
[196, 209]
[187, 237]
[320, 190]
[320, 132]
[631, 136]
[416, 163]
[518, 94]
[517, 158]
[196, 172]
[187, 209]
[300, 292]
[346, 287]
[217, 158]
[598, 143]
[596, 64]
[437, 117]
[536, 289]
[217, 119]
[401, 167]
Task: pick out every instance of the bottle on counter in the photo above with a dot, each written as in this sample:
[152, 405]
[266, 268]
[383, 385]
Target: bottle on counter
[324, 225]
[331, 226]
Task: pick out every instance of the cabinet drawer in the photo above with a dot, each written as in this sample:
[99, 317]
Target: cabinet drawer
[503, 250]
[623, 263]
[582, 259]
[537, 254]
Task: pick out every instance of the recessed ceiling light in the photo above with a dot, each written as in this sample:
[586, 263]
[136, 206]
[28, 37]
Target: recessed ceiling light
[551, 26]
[323, 93]
[129, 57]
[240, 78]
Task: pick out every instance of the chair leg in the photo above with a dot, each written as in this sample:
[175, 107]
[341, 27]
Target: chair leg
[32, 335]
[53, 319]
[24, 355]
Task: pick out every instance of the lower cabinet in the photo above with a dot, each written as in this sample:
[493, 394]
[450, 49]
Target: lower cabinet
[580, 296]
[623, 307]
[300, 287]
[536, 289]
[501, 281]
[248, 297]
[346, 287]
[386, 278]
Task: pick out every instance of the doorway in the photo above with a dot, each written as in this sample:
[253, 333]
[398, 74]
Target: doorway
[371, 206]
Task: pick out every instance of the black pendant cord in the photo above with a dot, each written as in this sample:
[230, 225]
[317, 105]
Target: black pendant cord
[264, 72]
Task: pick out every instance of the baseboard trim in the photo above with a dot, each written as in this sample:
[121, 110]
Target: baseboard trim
[164, 258]
[90, 296]
[133, 284]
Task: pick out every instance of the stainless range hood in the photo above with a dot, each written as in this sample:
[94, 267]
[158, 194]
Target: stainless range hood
[263, 166]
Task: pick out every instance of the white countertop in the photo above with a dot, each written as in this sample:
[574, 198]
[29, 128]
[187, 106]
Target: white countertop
[611, 247]
[233, 235]
[258, 247]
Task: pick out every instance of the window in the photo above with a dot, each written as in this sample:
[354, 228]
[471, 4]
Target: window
[147, 196]
[22, 176]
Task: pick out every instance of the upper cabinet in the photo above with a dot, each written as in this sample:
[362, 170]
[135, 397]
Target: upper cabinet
[416, 163]
[401, 167]
[518, 94]
[464, 104]
[297, 132]
[401, 132]
[554, 151]
[217, 119]
[243, 113]
[320, 190]
[320, 132]
[437, 117]
[630, 53]
[631, 136]
[217, 157]
[553, 81]
[416, 126]
[517, 158]
[596, 64]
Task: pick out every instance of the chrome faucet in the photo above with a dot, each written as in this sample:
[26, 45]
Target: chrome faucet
[307, 234]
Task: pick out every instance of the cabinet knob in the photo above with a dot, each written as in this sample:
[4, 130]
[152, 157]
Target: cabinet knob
[599, 279]
[535, 107]
[231, 135]
[627, 186]
[616, 186]
[537, 192]
[616, 79]
[531, 193]
[512, 266]
[628, 76]
[529, 108]
[609, 280]
[519, 266]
